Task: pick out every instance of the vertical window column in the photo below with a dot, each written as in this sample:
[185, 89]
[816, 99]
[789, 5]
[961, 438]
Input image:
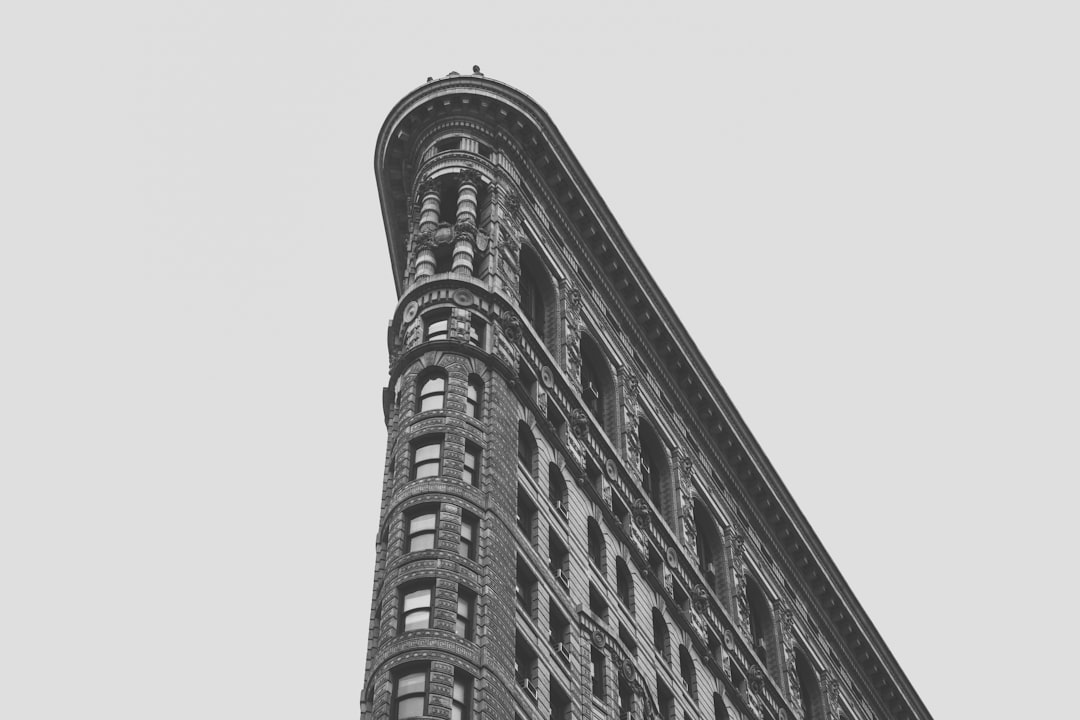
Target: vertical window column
[465, 225]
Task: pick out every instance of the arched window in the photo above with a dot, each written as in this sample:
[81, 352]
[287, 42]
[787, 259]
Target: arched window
[761, 622]
[655, 476]
[710, 548]
[809, 688]
[526, 451]
[431, 390]
[474, 396]
[597, 385]
[536, 293]
[596, 545]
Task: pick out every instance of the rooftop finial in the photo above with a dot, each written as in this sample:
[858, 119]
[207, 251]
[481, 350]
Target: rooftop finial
[476, 70]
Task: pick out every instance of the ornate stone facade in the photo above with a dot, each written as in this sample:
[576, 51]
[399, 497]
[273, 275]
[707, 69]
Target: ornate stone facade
[537, 559]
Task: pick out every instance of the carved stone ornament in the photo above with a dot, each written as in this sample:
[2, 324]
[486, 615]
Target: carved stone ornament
[579, 423]
[738, 546]
[425, 240]
[671, 557]
[468, 176]
[631, 387]
[610, 468]
[686, 466]
[699, 598]
[637, 537]
[573, 301]
[787, 618]
[426, 187]
[641, 511]
[444, 234]
[598, 638]
[512, 202]
[463, 298]
[409, 312]
[511, 327]
[757, 680]
[464, 231]
[627, 670]
[832, 695]
[511, 246]
[546, 376]
[729, 639]
[482, 241]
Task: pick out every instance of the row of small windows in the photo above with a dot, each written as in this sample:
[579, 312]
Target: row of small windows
[454, 143]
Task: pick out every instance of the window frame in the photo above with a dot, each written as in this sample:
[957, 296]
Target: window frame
[416, 588]
[421, 443]
[433, 319]
[461, 708]
[470, 474]
[466, 622]
[397, 697]
[411, 515]
[423, 394]
[470, 521]
[474, 397]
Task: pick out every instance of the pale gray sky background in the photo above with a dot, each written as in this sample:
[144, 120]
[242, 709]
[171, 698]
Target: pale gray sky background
[865, 215]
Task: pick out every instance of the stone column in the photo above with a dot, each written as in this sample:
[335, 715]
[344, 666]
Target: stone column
[465, 225]
[429, 220]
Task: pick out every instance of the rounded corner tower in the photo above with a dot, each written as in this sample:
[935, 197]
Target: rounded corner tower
[574, 521]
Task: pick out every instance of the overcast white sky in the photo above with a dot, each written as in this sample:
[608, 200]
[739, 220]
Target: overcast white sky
[866, 216]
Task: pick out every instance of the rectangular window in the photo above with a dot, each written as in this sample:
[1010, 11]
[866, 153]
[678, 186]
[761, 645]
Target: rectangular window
[597, 604]
[598, 683]
[525, 667]
[525, 589]
[416, 604]
[427, 457]
[465, 605]
[467, 541]
[526, 515]
[559, 559]
[461, 708]
[558, 631]
[476, 332]
[470, 471]
[437, 327]
[410, 693]
[421, 525]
